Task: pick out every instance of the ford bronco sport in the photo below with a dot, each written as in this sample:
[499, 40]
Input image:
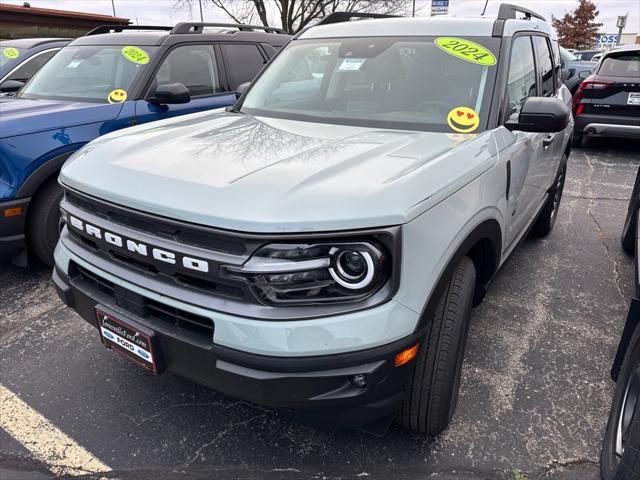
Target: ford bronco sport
[319, 246]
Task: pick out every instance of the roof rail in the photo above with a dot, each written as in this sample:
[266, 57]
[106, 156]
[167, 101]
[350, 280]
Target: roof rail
[119, 28]
[508, 11]
[339, 17]
[197, 27]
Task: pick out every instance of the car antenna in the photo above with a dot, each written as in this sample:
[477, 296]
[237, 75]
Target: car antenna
[485, 8]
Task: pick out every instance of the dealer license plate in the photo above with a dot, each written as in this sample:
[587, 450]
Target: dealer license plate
[634, 99]
[129, 339]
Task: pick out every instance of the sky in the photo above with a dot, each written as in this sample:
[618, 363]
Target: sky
[163, 12]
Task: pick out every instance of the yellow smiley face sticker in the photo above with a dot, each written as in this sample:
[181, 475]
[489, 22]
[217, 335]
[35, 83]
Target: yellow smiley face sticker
[463, 120]
[11, 53]
[117, 96]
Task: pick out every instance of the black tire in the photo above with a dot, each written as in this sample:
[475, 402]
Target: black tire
[432, 393]
[577, 140]
[547, 218]
[630, 223]
[42, 223]
[625, 466]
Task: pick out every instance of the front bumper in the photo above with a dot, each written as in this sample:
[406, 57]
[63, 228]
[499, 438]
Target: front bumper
[316, 389]
[12, 238]
[607, 125]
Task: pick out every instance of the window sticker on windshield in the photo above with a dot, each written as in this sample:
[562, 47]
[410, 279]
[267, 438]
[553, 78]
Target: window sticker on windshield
[135, 55]
[117, 96]
[466, 50]
[74, 63]
[463, 120]
[460, 137]
[11, 52]
[351, 64]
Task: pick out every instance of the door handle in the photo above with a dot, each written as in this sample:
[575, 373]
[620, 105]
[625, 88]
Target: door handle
[548, 140]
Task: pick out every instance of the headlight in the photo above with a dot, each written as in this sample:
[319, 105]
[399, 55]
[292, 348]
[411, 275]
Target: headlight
[294, 274]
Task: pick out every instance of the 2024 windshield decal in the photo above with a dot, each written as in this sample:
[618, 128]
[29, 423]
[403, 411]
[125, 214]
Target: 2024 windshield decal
[466, 50]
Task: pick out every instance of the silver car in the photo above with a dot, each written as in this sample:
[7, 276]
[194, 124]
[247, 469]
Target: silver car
[318, 247]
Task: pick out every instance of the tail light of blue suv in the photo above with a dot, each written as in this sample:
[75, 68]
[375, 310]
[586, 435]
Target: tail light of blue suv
[282, 274]
[589, 83]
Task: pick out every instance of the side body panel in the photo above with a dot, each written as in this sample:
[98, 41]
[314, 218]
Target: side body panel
[22, 155]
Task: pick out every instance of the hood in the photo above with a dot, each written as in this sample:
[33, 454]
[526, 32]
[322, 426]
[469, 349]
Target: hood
[266, 175]
[20, 116]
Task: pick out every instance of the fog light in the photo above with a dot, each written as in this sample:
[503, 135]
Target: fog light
[359, 381]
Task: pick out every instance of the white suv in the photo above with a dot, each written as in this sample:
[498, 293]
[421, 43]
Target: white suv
[319, 246]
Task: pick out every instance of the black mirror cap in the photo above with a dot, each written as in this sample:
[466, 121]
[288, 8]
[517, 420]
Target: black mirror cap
[9, 86]
[542, 115]
[242, 88]
[171, 93]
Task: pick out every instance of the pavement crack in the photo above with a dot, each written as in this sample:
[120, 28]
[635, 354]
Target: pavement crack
[616, 268]
[171, 407]
[585, 197]
[220, 435]
[551, 467]
[603, 236]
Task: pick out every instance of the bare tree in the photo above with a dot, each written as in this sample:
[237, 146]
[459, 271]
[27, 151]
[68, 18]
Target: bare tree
[294, 15]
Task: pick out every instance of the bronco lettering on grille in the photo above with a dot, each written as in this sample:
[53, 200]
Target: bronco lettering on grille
[138, 248]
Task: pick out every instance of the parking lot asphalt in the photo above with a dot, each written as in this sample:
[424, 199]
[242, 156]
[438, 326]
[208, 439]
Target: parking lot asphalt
[534, 397]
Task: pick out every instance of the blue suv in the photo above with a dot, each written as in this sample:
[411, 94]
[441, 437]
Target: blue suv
[112, 78]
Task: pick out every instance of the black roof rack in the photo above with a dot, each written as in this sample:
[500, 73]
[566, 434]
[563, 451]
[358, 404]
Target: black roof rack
[119, 28]
[508, 11]
[197, 27]
[339, 17]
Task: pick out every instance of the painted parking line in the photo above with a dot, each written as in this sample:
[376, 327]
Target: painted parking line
[61, 454]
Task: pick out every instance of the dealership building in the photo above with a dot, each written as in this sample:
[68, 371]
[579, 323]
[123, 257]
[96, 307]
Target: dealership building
[24, 21]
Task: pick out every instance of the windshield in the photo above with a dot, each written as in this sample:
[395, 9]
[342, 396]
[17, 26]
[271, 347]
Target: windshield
[89, 73]
[9, 54]
[392, 82]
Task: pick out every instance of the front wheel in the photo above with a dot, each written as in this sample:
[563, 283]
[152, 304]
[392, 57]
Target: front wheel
[620, 456]
[547, 219]
[43, 222]
[432, 394]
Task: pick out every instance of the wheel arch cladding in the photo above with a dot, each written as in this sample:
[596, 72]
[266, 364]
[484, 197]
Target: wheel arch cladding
[42, 174]
[483, 246]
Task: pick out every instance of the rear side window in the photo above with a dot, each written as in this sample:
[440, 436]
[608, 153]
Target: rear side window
[243, 61]
[28, 69]
[545, 66]
[194, 66]
[623, 64]
[522, 75]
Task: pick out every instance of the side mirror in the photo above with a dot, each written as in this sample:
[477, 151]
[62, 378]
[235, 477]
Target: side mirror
[242, 88]
[584, 74]
[170, 93]
[542, 114]
[11, 86]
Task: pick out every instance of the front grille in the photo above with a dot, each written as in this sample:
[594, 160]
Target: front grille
[167, 235]
[154, 312]
[162, 227]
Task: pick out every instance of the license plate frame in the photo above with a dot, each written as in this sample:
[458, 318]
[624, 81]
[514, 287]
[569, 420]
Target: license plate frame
[128, 338]
[633, 98]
